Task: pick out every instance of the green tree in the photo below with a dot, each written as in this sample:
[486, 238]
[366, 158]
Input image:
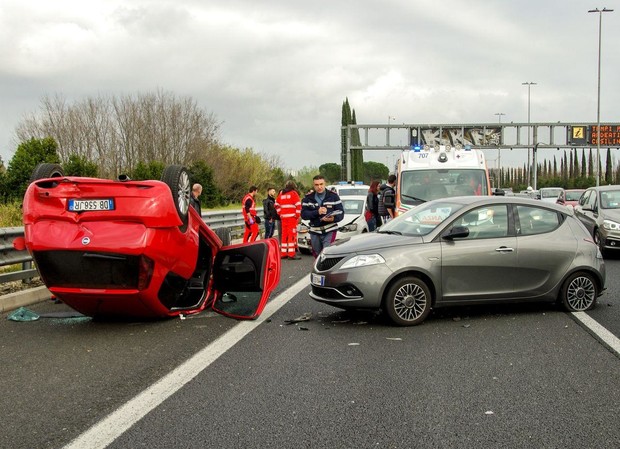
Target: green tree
[151, 170]
[330, 171]
[608, 168]
[80, 166]
[375, 171]
[357, 158]
[203, 174]
[27, 156]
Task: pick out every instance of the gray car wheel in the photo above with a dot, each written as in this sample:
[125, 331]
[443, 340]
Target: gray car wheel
[177, 179]
[408, 301]
[579, 292]
[600, 241]
[46, 170]
[224, 235]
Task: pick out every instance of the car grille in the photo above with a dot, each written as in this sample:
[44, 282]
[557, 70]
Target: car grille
[341, 292]
[78, 269]
[327, 263]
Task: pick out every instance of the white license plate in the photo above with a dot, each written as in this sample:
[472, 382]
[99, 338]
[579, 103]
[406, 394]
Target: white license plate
[84, 205]
[317, 279]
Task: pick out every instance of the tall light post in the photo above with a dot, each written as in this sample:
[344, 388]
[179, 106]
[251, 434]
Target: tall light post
[598, 101]
[499, 153]
[529, 84]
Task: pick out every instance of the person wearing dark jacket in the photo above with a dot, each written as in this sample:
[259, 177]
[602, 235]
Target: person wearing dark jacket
[387, 199]
[323, 209]
[269, 212]
[194, 199]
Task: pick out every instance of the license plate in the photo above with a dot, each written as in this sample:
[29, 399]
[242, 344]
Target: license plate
[84, 205]
[317, 279]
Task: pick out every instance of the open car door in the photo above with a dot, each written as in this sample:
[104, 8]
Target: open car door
[244, 276]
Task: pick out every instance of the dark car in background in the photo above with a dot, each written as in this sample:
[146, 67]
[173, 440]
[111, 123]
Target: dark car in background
[599, 211]
[465, 250]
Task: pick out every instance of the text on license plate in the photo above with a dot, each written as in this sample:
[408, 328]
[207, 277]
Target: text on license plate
[98, 204]
[317, 279]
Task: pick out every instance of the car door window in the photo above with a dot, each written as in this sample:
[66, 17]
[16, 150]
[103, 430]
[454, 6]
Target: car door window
[486, 222]
[536, 220]
[584, 198]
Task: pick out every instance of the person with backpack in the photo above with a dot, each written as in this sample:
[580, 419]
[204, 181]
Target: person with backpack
[387, 199]
[269, 212]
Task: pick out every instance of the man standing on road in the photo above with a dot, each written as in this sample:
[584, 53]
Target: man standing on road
[249, 216]
[194, 198]
[269, 212]
[387, 202]
[288, 206]
[324, 210]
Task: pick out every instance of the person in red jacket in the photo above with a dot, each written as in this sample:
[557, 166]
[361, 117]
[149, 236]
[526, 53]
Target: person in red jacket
[249, 216]
[288, 206]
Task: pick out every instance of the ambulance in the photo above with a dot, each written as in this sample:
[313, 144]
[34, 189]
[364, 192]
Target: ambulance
[427, 173]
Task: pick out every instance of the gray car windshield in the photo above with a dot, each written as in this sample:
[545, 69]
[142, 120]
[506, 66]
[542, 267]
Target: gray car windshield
[421, 220]
[610, 199]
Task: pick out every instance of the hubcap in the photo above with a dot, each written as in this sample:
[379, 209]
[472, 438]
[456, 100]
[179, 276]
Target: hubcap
[183, 193]
[410, 302]
[581, 293]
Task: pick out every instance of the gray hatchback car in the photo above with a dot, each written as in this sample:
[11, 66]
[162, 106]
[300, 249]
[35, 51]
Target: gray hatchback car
[466, 250]
[599, 211]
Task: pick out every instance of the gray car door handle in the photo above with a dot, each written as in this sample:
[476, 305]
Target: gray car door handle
[504, 249]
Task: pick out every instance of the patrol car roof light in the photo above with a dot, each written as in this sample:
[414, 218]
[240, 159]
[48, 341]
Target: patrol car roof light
[437, 148]
[416, 148]
[467, 147]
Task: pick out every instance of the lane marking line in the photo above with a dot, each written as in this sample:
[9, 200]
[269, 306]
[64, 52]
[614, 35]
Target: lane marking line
[599, 331]
[119, 421]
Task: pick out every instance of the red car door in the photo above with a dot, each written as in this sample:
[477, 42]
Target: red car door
[244, 276]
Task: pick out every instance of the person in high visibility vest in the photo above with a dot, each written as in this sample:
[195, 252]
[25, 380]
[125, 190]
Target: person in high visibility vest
[249, 216]
[288, 206]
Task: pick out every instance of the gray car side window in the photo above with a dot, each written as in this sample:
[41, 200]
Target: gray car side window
[584, 198]
[486, 222]
[536, 220]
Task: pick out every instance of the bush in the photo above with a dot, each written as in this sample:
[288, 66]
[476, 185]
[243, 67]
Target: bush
[11, 215]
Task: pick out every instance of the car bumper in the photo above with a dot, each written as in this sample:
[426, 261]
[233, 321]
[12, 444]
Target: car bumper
[112, 268]
[360, 287]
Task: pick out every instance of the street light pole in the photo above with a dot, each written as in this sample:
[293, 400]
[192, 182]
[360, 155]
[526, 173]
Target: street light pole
[499, 154]
[387, 130]
[529, 84]
[598, 101]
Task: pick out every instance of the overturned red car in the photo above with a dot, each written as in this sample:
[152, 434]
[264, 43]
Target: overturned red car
[137, 249]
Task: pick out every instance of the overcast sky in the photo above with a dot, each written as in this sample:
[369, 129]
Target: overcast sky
[276, 72]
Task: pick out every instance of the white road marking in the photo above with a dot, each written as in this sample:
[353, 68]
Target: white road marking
[603, 334]
[119, 421]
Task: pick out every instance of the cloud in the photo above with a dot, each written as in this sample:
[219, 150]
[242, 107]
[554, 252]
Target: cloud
[276, 72]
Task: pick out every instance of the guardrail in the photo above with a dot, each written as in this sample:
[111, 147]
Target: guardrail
[233, 220]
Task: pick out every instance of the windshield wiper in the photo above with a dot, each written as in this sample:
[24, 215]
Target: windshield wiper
[390, 232]
[413, 198]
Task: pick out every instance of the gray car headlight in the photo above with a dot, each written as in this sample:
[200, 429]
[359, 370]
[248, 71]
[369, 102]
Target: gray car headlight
[363, 260]
[611, 225]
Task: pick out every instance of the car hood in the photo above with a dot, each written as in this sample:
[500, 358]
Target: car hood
[612, 214]
[369, 242]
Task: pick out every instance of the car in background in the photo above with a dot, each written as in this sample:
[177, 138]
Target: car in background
[353, 223]
[570, 197]
[136, 249]
[355, 188]
[550, 194]
[599, 210]
[465, 250]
